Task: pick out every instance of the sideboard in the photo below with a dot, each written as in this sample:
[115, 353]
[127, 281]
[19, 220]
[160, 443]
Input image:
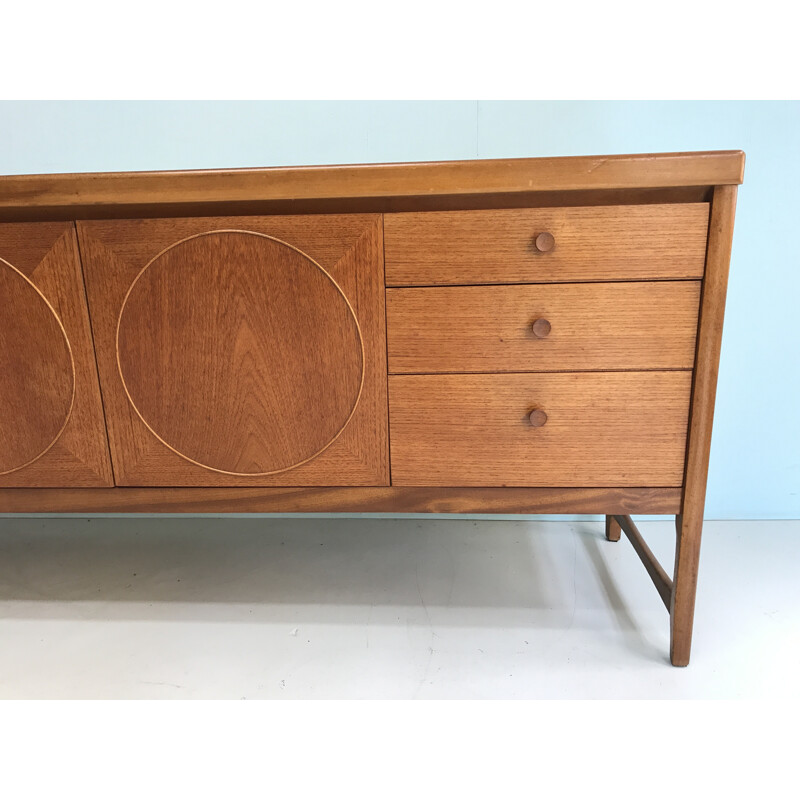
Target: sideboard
[494, 336]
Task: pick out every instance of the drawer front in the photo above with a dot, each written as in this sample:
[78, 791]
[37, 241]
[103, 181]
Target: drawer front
[591, 429]
[593, 326]
[546, 244]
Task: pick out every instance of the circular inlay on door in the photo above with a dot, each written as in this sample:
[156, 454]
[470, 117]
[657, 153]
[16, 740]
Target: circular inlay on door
[37, 376]
[240, 353]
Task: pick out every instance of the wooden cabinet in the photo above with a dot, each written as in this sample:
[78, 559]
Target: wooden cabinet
[51, 419]
[512, 336]
[241, 351]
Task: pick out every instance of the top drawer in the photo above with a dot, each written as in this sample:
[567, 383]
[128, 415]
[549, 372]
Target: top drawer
[546, 245]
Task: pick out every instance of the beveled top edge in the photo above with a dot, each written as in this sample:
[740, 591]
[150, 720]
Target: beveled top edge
[347, 181]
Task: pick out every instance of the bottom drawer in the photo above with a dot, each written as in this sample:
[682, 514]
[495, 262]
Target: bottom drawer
[590, 429]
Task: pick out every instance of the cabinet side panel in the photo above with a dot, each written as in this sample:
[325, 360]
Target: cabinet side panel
[709, 341]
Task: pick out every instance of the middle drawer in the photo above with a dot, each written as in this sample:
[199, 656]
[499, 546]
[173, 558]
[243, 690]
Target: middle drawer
[543, 327]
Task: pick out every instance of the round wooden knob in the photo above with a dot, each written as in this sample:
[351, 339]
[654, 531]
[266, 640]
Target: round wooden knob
[545, 242]
[541, 328]
[537, 418]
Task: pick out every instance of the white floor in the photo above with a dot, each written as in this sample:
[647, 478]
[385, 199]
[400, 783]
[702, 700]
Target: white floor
[385, 608]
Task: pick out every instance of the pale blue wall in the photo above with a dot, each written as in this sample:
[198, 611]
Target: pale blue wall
[755, 463]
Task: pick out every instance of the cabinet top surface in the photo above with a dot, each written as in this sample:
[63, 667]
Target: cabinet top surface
[711, 168]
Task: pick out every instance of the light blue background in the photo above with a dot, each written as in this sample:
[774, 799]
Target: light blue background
[755, 457]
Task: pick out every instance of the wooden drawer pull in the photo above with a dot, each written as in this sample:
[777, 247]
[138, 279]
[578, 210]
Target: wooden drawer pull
[540, 328]
[537, 418]
[544, 242]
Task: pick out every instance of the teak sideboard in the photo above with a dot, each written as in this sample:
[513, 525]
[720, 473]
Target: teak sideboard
[499, 336]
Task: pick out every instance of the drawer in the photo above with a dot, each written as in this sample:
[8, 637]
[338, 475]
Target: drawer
[579, 326]
[546, 245]
[592, 429]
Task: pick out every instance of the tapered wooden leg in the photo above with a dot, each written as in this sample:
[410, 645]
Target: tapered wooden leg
[689, 523]
[613, 530]
[684, 587]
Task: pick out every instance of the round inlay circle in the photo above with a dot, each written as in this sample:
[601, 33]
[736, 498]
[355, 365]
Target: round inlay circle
[37, 375]
[240, 352]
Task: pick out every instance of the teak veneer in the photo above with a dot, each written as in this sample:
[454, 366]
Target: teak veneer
[510, 336]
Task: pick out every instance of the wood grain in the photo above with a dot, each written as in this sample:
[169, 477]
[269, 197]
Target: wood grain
[473, 430]
[38, 377]
[153, 189]
[51, 417]
[615, 326]
[591, 244]
[348, 248]
[342, 500]
[689, 522]
[613, 530]
[240, 353]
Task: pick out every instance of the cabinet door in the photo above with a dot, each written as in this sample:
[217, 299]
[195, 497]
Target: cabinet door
[52, 431]
[241, 351]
